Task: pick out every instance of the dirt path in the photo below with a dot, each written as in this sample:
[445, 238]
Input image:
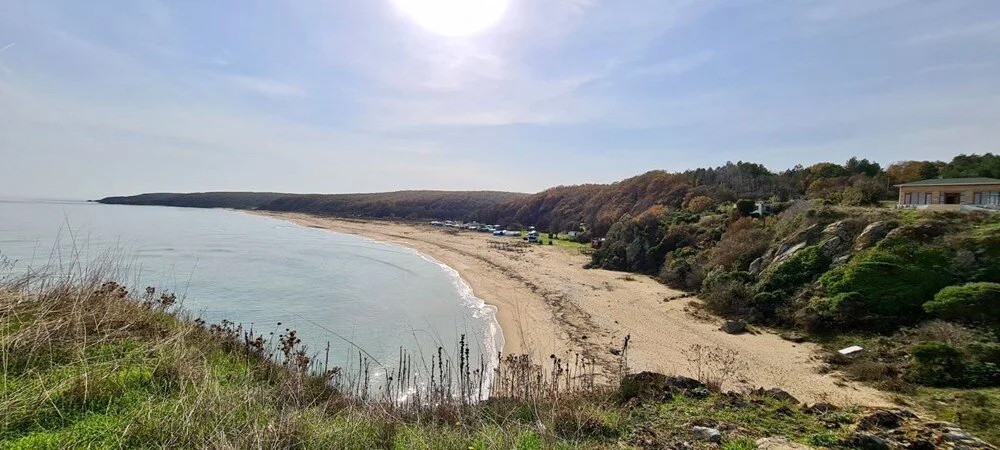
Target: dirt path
[549, 304]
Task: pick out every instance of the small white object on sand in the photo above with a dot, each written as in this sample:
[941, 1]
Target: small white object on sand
[850, 350]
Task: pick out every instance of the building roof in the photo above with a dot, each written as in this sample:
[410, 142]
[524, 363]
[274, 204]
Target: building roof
[952, 182]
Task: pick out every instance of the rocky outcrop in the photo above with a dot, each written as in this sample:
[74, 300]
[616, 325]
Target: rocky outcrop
[900, 428]
[873, 234]
[656, 386]
[787, 253]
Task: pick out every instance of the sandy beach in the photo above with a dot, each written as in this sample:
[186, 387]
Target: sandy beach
[549, 304]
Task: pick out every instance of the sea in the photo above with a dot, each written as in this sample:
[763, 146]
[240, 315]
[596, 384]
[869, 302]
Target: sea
[345, 296]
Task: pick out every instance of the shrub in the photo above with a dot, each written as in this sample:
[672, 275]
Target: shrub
[801, 268]
[742, 243]
[727, 293]
[842, 311]
[937, 364]
[700, 203]
[970, 302]
[682, 269]
[895, 279]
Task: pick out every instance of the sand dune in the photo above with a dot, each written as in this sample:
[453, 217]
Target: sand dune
[549, 304]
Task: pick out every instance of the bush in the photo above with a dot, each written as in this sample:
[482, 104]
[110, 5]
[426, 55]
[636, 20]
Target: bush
[700, 203]
[742, 243]
[842, 311]
[727, 293]
[682, 269]
[938, 364]
[970, 302]
[895, 279]
[801, 268]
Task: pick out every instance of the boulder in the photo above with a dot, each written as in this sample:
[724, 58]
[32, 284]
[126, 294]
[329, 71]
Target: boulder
[734, 327]
[792, 336]
[867, 442]
[774, 393]
[656, 386]
[821, 408]
[756, 266]
[706, 434]
[779, 443]
[834, 246]
[840, 228]
[872, 234]
[880, 419]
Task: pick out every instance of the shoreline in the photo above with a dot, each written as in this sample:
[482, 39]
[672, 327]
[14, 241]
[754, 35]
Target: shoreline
[548, 304]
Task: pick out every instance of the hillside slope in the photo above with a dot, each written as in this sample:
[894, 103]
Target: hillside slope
[384, 205]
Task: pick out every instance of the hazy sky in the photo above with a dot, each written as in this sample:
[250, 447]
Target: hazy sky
[108, 97]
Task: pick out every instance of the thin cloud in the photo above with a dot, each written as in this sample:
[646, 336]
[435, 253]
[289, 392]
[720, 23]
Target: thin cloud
[989, 30]
[676, 66]
[265, 86]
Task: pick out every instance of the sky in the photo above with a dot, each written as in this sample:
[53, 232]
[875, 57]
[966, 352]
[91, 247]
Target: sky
[127, 96]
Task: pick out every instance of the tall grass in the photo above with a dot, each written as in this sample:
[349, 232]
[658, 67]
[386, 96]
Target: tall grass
[85, 360]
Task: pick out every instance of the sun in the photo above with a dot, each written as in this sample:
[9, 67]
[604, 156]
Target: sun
[454, 17]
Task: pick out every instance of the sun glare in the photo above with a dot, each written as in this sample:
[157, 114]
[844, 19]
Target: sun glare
[454, 17]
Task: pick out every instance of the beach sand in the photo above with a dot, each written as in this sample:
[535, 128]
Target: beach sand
[548, 304]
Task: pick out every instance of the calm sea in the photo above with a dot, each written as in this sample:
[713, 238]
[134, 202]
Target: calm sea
[258, 271]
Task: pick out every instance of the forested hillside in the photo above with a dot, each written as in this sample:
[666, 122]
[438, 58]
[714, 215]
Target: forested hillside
[386, 205]
[857, 182]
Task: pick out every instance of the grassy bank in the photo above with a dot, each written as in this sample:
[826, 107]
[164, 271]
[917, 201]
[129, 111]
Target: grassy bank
[88, 364]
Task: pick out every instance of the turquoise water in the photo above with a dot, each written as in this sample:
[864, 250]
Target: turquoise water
[260, 272]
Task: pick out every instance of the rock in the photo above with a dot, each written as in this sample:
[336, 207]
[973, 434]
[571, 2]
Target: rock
[840, 228]
[792, 337]
[867, 442]
[755, 266]
[615, 351]
[872, 234]
[783, 256]
[841, 260]
[774, 393]
[778, 443]
[955, 436]
[880, 419]
[834, 246]
[656, 386]
[821, 408]
[706, 434]
[921, 444]
[734, 327]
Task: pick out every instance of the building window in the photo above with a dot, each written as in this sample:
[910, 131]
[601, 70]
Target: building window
[908, 199]
[987, 198]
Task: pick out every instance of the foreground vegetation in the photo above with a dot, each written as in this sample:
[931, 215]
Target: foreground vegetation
[88, 364]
